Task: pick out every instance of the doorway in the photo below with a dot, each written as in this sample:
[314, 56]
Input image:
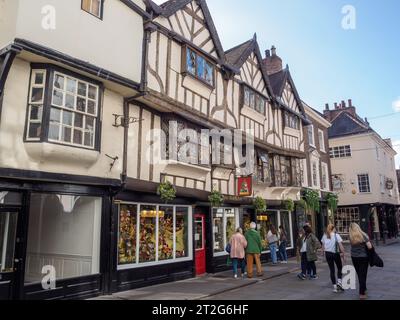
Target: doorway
[10, 260]
[200, 245]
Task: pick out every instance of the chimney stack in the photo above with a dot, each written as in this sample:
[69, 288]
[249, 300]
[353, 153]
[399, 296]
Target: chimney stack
[272, 61]
[336, 106]
[350, 103]
[327, 106]
[343, 104]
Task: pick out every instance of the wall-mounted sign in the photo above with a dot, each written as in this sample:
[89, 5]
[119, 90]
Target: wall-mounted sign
[245, 186]
[262, 218]
[389, 184]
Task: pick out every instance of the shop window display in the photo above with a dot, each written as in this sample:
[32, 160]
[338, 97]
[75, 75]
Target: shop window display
[181, 232]
[127, 237]
[166, 233]
[147, 234]
[285, 222]
[225, 222]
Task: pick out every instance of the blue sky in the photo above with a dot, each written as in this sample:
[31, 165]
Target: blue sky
[327, 62]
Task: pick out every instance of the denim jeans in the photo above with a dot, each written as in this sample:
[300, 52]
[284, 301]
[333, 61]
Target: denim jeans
[235, 262]
[282, 251]
[273, 248]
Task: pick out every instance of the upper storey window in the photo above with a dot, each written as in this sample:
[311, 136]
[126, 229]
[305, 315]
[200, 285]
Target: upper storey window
[292, 121]
[254, 100]
[94, 7]
[199, 67]
[63, 108]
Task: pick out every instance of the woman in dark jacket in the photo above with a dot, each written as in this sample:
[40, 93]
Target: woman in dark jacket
[312, 246]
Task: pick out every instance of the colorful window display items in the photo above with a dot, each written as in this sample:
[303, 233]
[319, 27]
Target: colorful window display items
[166, 233]
[127, 234]
[181, 232]
[147, 234]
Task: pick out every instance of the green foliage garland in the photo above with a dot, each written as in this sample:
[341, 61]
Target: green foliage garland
[312, 199]
[302, 204]
[216, 198]
[260, 205]
[332, 200]
[166, 191]
[288, 205]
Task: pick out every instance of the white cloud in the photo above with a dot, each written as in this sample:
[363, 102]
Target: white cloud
[396, 105]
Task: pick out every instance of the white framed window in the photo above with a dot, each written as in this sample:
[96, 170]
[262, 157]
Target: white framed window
[344, 218]
[363, 183]
[325, 176]
[225, 223]
[311, 138]
[321, 139]
[340, 152]
[73, 113]
[315, 173]
[35, 105]
[150, 234]
[94, 7]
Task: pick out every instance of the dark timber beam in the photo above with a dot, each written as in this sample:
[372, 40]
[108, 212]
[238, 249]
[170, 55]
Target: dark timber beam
[4, 71]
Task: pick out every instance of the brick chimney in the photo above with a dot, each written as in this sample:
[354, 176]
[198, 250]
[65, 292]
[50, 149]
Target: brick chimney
[272, 61]
[339, 108]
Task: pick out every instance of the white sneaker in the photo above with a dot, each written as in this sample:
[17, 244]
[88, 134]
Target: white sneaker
[335, 289]
[235, 276]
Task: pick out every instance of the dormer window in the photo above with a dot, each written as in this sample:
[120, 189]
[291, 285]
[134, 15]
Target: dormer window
[94, 7]
[198, 66]
[254, 100]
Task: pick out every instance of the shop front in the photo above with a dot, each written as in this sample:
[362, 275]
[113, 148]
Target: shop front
[52, 243]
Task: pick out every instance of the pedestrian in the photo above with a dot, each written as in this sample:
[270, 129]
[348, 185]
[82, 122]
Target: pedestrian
[360, 243]
[302, 255]
[272, 237]
[332, 245]
[238, 246]
[253, 250]
[282, 245]
[312, 246]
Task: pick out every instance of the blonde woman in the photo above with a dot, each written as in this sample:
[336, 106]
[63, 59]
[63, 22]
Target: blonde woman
[360, 245]
[332, 245]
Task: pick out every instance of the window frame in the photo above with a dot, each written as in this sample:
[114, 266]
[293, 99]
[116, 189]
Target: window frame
[51, 71]
[317, 183]
[224, 221]
[360, 176]
[91, 13]
[340, 152]
[256, 94]
[311, 143]
[186, 72]
[325, 172]
[321, 140]
[290, 119]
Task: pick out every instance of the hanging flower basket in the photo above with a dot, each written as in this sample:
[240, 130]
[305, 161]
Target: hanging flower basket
[288, 204]
[216, 199]
[260, 205]
[312, 199]
[166, 191]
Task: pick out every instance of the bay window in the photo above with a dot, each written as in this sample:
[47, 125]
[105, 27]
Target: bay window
[264, 169]
[63, 109]
[153, 234]
[199, 66]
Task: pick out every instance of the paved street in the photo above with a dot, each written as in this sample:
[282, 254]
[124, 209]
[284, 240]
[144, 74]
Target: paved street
[383, 284]
[279, 283]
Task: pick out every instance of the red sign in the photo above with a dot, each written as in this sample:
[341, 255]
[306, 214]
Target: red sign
[245, 187]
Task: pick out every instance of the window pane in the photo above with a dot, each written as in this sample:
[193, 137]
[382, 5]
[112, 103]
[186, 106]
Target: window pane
[66, 134]
[39, 78]
[218, 219]
[252, 100]
[78, 122]
[127, 234]
[81, 104]
[198, 230]
[285, 222]
[59, 82]
[67, 118]
[246, 96]
[166, 233]
[54, 131]
[96, 7]
[147, 235]
[71, 85]
[89, 139]
[82, 89]
[200, 67]
[37, 95]
[55, 115]
[8, 233]
[230, 224]
[92, 92]
[58, 97]
[86, 5]
[35, 130]
[209, 73]
[64, 231]
[78, 136]
[69, 101]
[91, 107]
[191, 61]
[36, 113]
[182, 232]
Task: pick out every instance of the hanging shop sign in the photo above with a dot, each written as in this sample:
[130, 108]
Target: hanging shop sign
[262, 218]
[389, 184]
[245, 186]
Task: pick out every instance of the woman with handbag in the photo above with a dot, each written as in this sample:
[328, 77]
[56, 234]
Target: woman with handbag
[360, 245]
[332, 245]
[312, 245]
[237, 246]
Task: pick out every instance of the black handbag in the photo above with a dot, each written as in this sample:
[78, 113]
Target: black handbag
[374, 259]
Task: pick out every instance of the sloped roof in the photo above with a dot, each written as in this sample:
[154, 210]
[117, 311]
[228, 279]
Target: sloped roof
[346, 124]
[278, 81]
[169, 7]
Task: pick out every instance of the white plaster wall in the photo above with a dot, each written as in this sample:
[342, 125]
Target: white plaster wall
[8, 18]
[114, 43]
[16, 154]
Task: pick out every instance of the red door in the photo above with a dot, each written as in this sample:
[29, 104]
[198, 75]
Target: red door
[199, 241]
